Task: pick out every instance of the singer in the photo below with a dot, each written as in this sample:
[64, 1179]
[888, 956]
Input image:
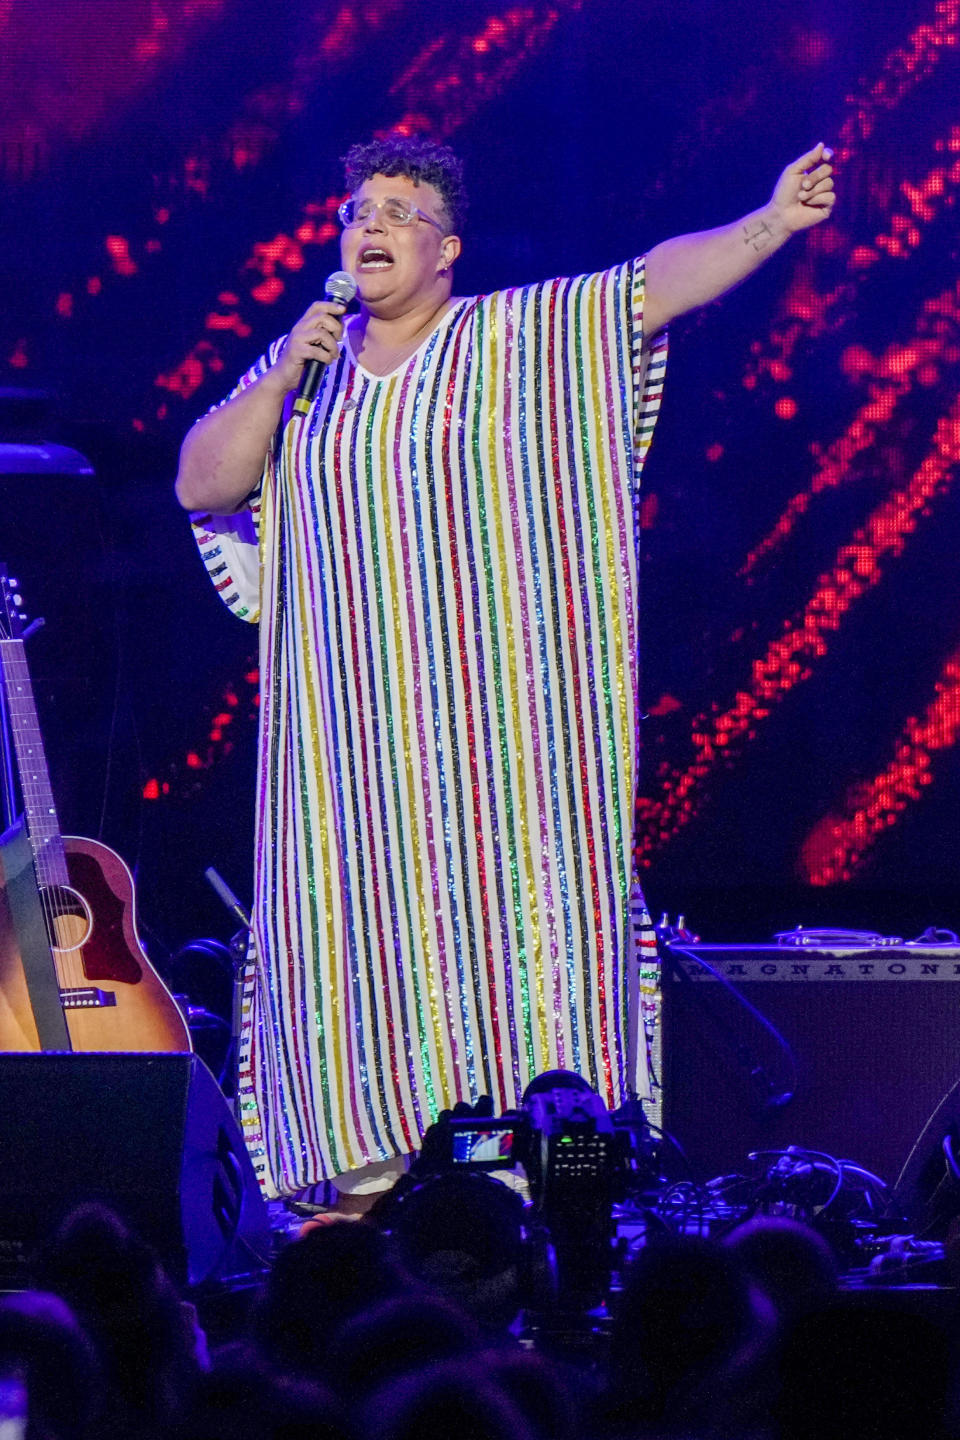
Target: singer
[440, 553]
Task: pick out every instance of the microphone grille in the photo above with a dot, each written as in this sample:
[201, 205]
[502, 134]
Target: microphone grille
[341, 286]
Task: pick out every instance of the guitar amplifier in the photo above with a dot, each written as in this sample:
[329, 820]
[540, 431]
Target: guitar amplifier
[842, 1048]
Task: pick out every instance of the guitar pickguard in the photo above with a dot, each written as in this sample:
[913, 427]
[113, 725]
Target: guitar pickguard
[95, 926]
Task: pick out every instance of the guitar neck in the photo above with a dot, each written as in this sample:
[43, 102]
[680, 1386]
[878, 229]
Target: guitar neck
[43, 826]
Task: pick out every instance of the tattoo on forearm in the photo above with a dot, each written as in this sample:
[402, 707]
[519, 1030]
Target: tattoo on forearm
[758, 234]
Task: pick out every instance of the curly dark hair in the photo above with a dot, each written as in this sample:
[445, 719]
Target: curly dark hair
[420, 160]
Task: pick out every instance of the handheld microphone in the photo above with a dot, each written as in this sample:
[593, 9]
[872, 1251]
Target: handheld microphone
[341, 287]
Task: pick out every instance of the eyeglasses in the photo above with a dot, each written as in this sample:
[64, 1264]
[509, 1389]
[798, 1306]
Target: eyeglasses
[394, 211]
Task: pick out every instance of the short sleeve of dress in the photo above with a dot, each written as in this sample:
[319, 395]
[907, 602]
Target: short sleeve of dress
[649, 363]
[229, 545]
[590, 331]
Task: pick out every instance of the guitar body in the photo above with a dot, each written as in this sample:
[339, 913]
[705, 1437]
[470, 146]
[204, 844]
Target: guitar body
[112, 997]
[72, 968]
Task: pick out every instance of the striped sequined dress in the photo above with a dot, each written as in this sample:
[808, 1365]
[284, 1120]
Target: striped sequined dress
[443, 563]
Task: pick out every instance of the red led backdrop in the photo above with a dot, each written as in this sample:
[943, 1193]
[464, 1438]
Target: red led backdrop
[171, 176]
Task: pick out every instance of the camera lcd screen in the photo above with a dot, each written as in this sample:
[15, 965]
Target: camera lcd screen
[484, 1144]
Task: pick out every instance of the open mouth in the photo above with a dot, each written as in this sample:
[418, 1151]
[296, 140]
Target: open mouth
[374, 257]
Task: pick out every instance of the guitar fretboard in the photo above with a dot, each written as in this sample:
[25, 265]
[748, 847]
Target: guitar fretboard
[43, 826]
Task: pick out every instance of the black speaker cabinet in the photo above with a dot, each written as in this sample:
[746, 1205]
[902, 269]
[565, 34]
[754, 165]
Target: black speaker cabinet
[927, 1191]
[843, 1050]
[149, 1135]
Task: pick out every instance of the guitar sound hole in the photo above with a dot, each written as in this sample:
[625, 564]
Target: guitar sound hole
[69, 919]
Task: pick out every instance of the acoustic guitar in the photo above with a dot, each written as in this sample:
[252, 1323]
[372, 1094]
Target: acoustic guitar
[83, 950]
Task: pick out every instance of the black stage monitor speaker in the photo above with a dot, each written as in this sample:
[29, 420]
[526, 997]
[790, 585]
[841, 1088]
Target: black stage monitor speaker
[149, 1135]
[841, 1049]
[927, 1191]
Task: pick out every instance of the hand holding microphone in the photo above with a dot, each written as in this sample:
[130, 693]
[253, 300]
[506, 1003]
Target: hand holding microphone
[321, 337]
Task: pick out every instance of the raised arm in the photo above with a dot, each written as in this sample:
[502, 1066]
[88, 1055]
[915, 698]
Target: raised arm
[692, 270]
[222, 457]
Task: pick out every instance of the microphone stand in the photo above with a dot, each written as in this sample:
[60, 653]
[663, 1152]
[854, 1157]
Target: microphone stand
[765, 1098]
[238, 950]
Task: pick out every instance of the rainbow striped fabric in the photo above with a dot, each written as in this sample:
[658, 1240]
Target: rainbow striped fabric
[443, 562]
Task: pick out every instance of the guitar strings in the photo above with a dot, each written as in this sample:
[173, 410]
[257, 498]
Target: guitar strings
[49, 852]
[37, 791]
